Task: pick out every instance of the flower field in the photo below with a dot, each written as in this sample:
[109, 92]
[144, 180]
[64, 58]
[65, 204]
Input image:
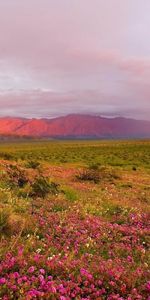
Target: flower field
[75, 230]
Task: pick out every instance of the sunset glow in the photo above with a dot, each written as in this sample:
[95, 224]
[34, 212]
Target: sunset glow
[72, 56]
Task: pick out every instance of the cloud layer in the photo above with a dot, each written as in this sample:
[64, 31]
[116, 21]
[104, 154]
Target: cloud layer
[72, 56]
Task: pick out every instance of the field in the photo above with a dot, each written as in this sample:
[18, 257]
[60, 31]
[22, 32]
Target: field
[75, 220]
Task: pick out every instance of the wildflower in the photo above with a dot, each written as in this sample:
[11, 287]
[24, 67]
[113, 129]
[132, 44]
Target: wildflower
[14, 287]
[24, 278]
[49, 258]
[19, 280]
[38, 250]
[20, 251]
[16, 275]
[129, 259]
[31, 269]
[146, 265]
[148, 286]
[53, 289]
[42, 271]
[85, 273]
[2, 280]
[41, 278]
[112, 283]
[32, 293]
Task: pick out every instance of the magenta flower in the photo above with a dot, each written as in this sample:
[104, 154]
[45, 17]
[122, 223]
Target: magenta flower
[148, 286]
[16, 275]
[31, 269]
[2, 280]
[42, 271]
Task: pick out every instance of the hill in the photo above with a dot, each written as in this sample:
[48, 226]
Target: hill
[75, 126]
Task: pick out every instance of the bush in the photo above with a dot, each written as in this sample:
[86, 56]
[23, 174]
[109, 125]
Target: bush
[70, 194]
[4, 221]
[6, 156]
[95, 173]
[32, 164]
[89, 174]
[41, 187]
[94, 166]
[134, 168]
[16, 176]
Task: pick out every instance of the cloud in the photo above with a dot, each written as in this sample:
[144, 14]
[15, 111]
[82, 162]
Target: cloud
[59, 57]
[136, 66]
[41, 103]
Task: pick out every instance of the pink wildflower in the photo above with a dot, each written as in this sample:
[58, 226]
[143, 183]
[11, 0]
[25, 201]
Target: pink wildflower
[31, 269]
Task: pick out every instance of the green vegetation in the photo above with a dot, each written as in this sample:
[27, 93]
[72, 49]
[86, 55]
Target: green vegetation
[41, 187]
[128, 154]
[74, 220]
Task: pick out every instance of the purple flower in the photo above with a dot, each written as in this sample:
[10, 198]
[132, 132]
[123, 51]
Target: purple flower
[31, 269]
[33, 293]
[24, 278]
[16, 275]
[41, 278]
[42, 271]
[2, 280]
[148, 286]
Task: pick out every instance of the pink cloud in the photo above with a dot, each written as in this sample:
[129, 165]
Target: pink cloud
[89, 55]
[137, 66]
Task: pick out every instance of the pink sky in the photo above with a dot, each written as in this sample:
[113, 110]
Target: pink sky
[75, 56]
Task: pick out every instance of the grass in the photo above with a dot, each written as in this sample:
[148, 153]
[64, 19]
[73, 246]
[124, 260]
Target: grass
[74, 220]
[131, 154]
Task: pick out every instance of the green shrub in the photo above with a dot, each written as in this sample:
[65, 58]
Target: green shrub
[96, 173]
[58, 208]
[4, 221]
[134, 168]
[16, 176]
[32, 164]
[23, 194]
[94, 166]
[112, 209]
[70, 194]
[4, 197]
[126, 185]
[6, 156]
[114, 174]
[41, 187]
[89, 174]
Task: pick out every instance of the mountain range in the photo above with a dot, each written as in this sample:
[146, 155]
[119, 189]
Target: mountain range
[75, 126]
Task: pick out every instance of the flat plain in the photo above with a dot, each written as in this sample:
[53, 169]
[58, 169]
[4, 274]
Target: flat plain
[75, 220]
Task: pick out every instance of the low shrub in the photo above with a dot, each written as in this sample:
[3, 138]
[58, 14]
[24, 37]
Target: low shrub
[41, 187]
[70, 194]
[6, 156]
[95, 173]
[94, 166]
[89, 174]
[4, 221]
[33, 164]
[134, 168]
[17, 176]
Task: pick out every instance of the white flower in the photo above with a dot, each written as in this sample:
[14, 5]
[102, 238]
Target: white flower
[50, 258]
[38, 250]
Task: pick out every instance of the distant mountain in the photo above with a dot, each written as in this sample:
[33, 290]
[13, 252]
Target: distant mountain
[75, 126]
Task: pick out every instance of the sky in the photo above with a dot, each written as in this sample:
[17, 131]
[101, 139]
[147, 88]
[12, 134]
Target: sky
[59, 57]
